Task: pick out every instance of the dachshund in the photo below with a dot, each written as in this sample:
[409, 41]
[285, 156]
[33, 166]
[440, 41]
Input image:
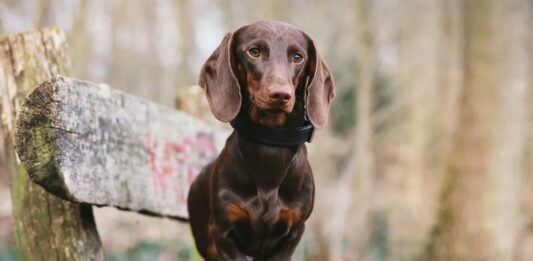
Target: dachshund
[269, 81]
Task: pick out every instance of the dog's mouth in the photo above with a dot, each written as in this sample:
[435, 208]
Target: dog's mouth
[270, 117]
[274, 111]
[270, 108]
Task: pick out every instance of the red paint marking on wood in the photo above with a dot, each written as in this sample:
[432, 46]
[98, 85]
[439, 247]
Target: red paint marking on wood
[206, 144]
[150, 148]
[169, 159]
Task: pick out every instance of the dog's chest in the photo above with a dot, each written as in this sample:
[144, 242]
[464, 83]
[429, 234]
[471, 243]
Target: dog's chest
[268, 167]
[264, 228]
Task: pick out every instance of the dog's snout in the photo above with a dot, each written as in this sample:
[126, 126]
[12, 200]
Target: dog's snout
[280, 93]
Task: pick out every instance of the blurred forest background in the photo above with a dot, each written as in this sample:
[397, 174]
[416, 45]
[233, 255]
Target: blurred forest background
[429, 150]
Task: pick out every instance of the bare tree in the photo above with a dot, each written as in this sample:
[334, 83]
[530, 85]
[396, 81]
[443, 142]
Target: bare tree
[479, 215]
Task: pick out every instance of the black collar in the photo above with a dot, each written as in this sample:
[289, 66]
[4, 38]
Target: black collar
[281, 137]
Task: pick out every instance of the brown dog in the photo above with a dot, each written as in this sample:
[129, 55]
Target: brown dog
[267, 78]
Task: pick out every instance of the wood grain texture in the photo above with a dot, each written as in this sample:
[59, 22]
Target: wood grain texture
[89, 143]
[46, 227]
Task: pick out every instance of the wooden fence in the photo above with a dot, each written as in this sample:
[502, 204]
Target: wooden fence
[80, 144]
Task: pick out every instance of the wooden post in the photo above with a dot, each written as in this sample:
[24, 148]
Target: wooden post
[46, 227]
[90, 143]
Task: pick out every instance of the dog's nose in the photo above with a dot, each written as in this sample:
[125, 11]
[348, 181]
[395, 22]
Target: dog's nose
[280, 93]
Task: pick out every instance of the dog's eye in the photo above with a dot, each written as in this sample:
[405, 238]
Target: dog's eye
[297, 58]
[254, 52]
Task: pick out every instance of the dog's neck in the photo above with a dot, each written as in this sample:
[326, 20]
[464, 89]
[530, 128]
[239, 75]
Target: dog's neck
[267, 165]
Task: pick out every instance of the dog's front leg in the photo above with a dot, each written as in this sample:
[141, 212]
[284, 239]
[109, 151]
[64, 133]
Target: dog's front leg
[226, 249]
[226, 213]
[288, 247]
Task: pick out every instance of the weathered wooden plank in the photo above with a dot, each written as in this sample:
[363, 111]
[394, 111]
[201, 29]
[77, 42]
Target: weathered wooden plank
[46, 227]
[92, 144]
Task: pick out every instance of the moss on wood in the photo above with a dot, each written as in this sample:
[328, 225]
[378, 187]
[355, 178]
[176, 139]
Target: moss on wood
[46, 227]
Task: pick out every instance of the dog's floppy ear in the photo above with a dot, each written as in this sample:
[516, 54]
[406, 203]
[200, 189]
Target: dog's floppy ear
[218, 80]
[321, 88]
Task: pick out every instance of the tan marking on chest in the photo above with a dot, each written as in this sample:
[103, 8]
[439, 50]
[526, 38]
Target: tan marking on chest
[236, 213]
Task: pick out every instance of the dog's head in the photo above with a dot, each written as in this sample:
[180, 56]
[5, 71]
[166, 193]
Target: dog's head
[267, 64]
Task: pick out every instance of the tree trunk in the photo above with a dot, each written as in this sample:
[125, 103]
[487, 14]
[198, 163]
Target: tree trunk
[480, 216]
[418, 49]
[187, 42]
[46, 227]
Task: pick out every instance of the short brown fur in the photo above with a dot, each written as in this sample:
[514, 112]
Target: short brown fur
[254, 199]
